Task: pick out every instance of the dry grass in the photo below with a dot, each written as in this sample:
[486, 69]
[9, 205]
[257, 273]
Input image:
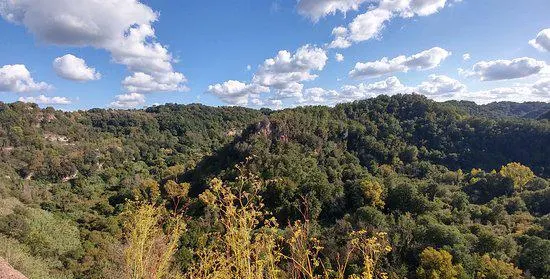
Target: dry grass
[247, 245]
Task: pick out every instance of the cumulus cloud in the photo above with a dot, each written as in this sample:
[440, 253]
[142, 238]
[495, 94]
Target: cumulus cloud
[44, 100]
[339, 57]
[74, 68]
[285, 72]
[17, 79]
[521, 93]
[424, 60]
[348, 93]
[369, 25]
[436, 87]
[505, 69]
[318, 96]
[379, 67]
[389, 86]
[542, 87]
[316, 9]
[275, 103]
[282, 76]
[410, 8]
[364, 27]
[341, 38]
[128, 35]
[129, 100]
[440, 86]
[542, 41]
[466, 57]
[238, 93]
[144, 83]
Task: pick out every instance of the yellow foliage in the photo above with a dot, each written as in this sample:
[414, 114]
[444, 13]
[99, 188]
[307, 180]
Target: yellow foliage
[437, 264]
[304, 251]
[495, 269]
[248, 244]
[177, 192]
[148, 190]
[371, 249]
[519, 173]
[149, 250]
[372, 190]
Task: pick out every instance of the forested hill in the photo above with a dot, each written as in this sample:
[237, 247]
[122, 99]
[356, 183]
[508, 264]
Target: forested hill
[531, 110]
[469, 181]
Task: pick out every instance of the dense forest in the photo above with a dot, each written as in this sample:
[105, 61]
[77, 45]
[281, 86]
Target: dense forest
[389, 187]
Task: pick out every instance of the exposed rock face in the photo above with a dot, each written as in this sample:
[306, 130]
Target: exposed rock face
[7, 272]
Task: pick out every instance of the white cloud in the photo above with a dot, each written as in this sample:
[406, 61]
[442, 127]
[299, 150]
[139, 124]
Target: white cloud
[389, 86]
[428, 59]
[424, 60]
[74, 68]
[364, 27]
[436, 87]
[542, 41]
[275, 103]
[128, 35]
[368, 25]
[318, 96]
[339, 57]
[505, 69]
[512, 94]
[440, 86]
[542, 87]
[341, 38]
[410, 8]
[44, 100]
[144, 83]
[316, 9]
[379, 67]
[248, 67]
[17, 79]
[348, 93]
[283, 75]
[466, 57]
[129, 100]
[286, 72]
[238, 93]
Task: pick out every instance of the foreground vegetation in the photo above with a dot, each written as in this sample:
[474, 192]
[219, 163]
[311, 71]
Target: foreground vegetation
[391, 187]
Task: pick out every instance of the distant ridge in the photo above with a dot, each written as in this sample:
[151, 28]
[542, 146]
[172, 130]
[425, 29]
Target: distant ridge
[531, 110]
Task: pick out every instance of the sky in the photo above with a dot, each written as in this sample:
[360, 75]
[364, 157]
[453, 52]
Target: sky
[271, 53]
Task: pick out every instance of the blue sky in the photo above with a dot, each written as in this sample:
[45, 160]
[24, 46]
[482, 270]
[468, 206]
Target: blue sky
[202, 51]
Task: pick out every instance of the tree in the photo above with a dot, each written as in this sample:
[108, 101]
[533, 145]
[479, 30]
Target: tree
[372, 190]
[519, 173]
[148, 189]
[437, 264]
[496, 269]
[534, 257]
[176, 192]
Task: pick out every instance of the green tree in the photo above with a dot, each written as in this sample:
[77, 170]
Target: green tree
[437, 264]
[496, 269]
